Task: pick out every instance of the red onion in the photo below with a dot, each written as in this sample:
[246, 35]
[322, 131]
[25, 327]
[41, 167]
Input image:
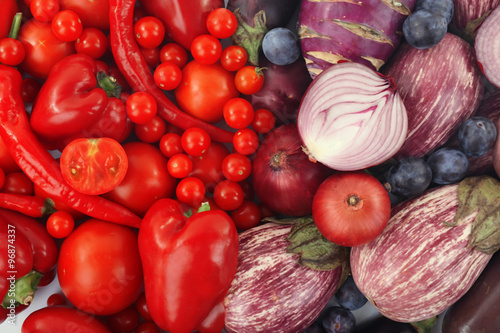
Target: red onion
[487, 46]
[351, 117]
[283, 177]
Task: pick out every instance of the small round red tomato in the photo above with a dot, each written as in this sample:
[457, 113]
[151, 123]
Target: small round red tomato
[149, 32]
[236, 167]
[167, 75]
[66, 25]
[190, 191]
[174, 53]
[249, 79]
[93, 13]
[99, 267]
[195, 141]
[92, 42]
[221, 23]
[124, 321]
[228, 195]
[11, 52]
[151, 56]
[233, 58]
[56, 299]
[94, 166]
[246, 141]
[141, 107]
[60, 224]
[170, 144]
[247, 215]
[208, 167]
[147, 327]
[147, 179]
[206, 49]
[30, 89]
[180, 166]
[18, 183]
[238, 113]
[44, 10]
[151, 131]
[351, 208]
[204, 89]
[142, 307]
[263, 121]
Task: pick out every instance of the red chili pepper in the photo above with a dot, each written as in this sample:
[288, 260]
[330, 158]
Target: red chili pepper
[29, 205]
[189, 264]
[137, 73]
[38, 164]
[78, 101]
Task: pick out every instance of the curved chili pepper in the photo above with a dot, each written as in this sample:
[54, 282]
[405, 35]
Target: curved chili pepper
[38, 164]
[29, 205]
[137, 73]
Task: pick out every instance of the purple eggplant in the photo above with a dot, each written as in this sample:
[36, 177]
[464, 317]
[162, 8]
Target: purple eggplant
[283, 89]
[273, 289]
[367, 32]
[440, 86]
[469, 14]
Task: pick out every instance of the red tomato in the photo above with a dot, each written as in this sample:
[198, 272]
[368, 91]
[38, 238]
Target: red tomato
[174, 53]
[56, 299]
[147, 327]
[233, 58]
[152, 131]
[94, 166]
[222, 23]
[149, 32]
[180, 165]
[247, 215]
[151, 56]
[92, 42]
[11, 52]
[170, 144]
[167, 75]
[66, 25]
[99, 267]
[60, 224]
[246, 141]
[43, 48]
[228, 195]
[142, 307]
[29, 91]
[263, 121]
[93, 13]
[190, 191]
[206, 49]
[351, 208]
[147, 178]
[44, 10]
[208, 167]
[204, 89]
[141, 107]
[18, 183]
[124, 321]
[195, 141]
[238, 113]
[236, 167]
[249, 79]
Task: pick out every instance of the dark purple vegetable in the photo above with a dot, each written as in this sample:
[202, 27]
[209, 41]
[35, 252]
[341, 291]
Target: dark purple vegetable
[283, 89]
[273, 290]
[367, 32]
[440, 87]
[469, 14]
[384, 325]
[479, 309]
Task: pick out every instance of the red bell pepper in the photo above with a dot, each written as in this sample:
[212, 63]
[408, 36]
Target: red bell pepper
[78, 101]
[9, 9]
[188, 265]
[38, 164]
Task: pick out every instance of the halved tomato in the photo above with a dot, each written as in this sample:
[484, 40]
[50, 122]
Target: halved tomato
[94, 166]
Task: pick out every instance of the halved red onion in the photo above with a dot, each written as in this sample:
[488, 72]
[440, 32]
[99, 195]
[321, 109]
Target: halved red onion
[487, 47]
[351, 118]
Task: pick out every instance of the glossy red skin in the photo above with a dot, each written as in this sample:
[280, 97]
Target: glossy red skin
[189, 264]
[26, 204]
[183, 20]
[9, 9]
[208, 167]
[7, 163]
[20, 246]
[91, 13]
[71, 105]
[62, 319]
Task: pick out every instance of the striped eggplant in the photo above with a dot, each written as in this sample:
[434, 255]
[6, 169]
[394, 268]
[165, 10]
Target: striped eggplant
[364, 31]
[469, 14]
[432, 251]
[440, 87]
[274, 290]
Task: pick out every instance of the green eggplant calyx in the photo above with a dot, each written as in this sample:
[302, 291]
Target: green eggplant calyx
[109, 84]
[426, 325]
[250, 38]
[23, 290]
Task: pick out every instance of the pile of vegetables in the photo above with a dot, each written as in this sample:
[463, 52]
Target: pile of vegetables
[249, 166]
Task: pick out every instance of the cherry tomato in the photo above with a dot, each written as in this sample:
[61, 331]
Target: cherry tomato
[151, 131]
[142, 307]
[93, 13]
[263, 121]
[174, 53]
[12, 52]
[208, 167]
[195, 141]
[233, 58]
[141, 107]
[151, 56]
[221, 23]
[228, 195]
[92, 42]
[247, 187]
[190, 191]
[94, 166]
[249, 79]
[124, 321]
[206, 49]
[247, 215]
[238, 113]
[147, 327]
[99, 267]
[167, 75]
[204, 89]
[30, 89]
[147, 178]
[66, 25]
[236, 167]
[44, 10]
[56, 299]
[60, 224]
[18, 183]
[180, 165]
[246, 141]
[149, 32]
[170, 144]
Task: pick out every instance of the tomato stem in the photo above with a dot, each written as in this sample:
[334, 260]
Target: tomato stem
[16, 25]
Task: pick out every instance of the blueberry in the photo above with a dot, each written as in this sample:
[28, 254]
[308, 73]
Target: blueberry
[448, 165]
[409, 177]
[337, 319]
[476, 136]
[443, 7]
[349, 296]
[281, 46]
[423, 29]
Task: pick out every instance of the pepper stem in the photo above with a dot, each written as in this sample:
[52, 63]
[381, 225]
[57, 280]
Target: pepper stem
[16, 25]
[109, 84]
[23, 290]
